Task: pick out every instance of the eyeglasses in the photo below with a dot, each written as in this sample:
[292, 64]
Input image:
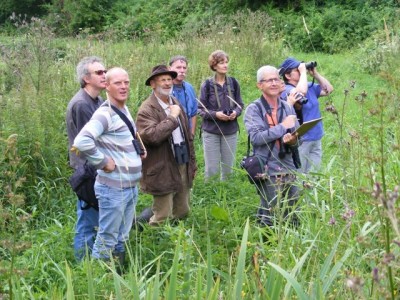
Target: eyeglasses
[271, 80]
[100, 72]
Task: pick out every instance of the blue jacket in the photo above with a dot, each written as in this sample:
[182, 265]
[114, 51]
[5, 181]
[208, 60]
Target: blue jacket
[187, 98]
[311, 111]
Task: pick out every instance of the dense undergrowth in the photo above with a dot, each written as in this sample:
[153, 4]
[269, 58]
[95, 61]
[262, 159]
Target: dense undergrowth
[325, 26]
[347, 245]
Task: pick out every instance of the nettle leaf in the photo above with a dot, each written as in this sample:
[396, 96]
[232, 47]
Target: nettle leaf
[219, 213]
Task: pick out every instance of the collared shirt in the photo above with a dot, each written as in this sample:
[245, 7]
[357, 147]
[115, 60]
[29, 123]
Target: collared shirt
[177, 133]
[187, 98]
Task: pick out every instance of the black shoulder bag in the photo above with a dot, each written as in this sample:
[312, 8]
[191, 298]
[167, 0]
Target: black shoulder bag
[82, 183]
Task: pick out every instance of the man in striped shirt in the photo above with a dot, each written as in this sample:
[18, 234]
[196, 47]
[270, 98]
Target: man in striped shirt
[106, 142]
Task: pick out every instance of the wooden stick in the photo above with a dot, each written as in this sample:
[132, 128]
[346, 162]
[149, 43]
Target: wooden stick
[235, 102]
[140, 140]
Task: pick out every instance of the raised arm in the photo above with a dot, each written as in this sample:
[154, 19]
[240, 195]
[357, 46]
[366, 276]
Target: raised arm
[326, 86]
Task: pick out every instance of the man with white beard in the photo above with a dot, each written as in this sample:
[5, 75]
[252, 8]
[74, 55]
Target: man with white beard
[170, 166]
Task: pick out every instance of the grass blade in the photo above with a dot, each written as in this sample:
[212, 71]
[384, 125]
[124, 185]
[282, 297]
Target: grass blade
[70, 287]
[328, 260]
[296, 286]
[209, 265]
[240, 269]
[174, 273]
[156, 286]
[91, 294]
[299, 266]
[332, 275]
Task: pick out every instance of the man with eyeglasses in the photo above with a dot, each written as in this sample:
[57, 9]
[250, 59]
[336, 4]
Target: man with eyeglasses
[91, 74]
[294, 74]
[183, 90]
[269, 122]
[170, 166]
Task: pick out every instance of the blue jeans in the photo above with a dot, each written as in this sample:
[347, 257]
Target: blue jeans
[85, 230]
[116, 212]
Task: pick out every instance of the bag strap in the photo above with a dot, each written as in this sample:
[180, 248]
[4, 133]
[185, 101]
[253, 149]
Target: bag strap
[228, 80]
[272, 144]
[125, 119]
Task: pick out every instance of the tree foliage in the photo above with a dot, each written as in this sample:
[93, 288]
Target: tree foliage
[328, 26]
[29, 8]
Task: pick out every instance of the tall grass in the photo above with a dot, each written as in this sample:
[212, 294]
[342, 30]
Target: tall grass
[345, 247]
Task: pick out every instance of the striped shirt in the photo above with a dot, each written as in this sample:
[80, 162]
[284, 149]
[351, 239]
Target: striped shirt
[106, 135]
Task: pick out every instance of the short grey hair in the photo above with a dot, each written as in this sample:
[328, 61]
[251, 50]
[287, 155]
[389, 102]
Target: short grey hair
[176, 58]
[110, 73]
[82, 68]
[266, 69]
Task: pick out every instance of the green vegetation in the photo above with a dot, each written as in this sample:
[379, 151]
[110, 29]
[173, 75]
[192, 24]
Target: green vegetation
[327, 26]
[347, 245]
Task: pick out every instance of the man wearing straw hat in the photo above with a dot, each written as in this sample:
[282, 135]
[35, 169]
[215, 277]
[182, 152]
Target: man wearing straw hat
[170, 166]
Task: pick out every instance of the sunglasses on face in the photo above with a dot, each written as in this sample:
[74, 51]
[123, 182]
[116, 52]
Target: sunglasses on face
[100, 72]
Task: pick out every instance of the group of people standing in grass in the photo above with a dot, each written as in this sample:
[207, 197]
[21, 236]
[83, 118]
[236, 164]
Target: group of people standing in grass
[157, 150]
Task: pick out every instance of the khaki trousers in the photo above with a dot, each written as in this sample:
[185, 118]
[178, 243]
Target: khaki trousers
[172, 205]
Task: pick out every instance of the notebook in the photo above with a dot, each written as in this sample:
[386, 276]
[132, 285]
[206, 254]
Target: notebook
[306, 126]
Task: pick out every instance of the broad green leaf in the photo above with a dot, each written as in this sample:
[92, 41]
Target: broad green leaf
[219, 213]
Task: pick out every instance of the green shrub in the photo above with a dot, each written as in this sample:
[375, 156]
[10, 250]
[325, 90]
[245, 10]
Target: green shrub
[331, 29]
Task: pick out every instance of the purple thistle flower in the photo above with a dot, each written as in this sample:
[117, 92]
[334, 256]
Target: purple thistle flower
[375, 275]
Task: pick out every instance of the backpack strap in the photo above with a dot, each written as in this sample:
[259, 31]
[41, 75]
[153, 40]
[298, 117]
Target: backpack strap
[228, 83]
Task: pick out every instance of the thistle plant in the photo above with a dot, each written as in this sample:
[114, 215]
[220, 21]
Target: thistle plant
[13, 218]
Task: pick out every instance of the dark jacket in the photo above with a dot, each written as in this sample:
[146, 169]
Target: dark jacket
[79, 111]
[160, 169]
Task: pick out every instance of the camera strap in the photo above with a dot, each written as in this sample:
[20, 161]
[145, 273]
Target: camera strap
[228, 79]
[125, 119]
[269, 113]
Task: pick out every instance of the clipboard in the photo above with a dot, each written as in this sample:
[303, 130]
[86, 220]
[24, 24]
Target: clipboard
[306, 126]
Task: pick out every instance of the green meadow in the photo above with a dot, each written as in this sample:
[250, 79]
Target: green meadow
[346, 247]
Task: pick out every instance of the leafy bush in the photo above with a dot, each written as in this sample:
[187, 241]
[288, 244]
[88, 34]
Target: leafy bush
[330, 30]
[379, 54]
[71, 17]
